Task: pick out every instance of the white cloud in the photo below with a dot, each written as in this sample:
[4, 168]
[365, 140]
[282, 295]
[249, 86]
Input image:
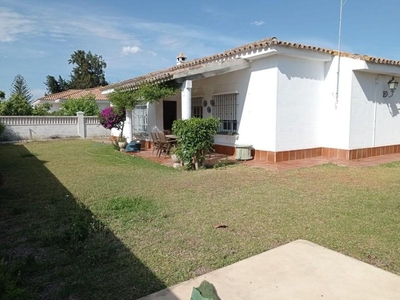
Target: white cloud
[257, 23]
[130, 50]
[13, 24]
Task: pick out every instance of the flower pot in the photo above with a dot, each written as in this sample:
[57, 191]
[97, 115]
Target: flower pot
[175, 158]
[121, 145]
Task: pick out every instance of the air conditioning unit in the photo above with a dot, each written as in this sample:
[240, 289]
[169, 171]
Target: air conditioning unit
[243, 152]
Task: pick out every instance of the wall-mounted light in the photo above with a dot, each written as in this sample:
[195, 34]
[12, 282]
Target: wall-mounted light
[392, 85]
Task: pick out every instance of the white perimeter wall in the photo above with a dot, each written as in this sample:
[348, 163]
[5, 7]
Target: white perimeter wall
[38, 127]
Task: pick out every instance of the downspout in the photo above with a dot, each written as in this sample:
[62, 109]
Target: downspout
[375, 109]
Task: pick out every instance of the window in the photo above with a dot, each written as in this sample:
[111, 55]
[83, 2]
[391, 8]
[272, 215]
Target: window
[225, 107]
[197, 108]
[140, 119]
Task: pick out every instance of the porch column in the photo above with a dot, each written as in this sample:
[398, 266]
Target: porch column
[128, 125]
[186, 96]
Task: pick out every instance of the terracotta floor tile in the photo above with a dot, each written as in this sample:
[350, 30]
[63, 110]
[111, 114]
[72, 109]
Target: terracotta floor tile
[287, 165]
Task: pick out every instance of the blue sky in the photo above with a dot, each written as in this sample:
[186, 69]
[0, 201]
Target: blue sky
[37, 37]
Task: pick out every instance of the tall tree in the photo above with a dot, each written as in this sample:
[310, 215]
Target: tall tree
[54, 85]
[2, 95]
[89, 70]
[20, 87]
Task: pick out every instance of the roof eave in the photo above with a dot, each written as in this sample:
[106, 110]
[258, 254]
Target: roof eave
[212, 69]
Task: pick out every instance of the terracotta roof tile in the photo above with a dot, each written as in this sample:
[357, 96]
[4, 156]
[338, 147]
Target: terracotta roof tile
[168, 73]
[75, 94]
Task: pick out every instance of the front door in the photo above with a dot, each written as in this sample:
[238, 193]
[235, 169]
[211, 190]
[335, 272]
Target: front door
[169, 108]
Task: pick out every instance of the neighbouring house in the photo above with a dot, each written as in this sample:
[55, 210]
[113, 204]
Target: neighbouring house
[288, 100]
[58, 98]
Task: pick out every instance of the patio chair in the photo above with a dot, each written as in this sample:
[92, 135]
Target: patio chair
[156, 143]
[165, 145]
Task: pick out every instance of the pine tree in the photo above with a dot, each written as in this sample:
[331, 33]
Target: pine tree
[20, 87]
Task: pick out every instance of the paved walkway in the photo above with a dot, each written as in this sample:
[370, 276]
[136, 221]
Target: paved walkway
[298, 270]
[287, 165]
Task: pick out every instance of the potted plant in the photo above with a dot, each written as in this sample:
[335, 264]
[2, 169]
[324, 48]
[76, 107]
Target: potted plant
[112, 117]
[121, 142]
[174, 156]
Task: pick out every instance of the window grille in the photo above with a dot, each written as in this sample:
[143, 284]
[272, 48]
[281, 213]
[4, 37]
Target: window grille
[140, 119]
[197, 108]
[225, 109]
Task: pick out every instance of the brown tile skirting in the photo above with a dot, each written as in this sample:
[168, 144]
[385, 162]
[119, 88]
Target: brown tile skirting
[270, 156]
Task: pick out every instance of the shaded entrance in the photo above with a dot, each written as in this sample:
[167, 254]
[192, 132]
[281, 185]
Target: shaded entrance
[169, 114]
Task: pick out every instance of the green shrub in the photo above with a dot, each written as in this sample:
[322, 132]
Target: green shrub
[195, 139]
[87, 104]
[41, 109]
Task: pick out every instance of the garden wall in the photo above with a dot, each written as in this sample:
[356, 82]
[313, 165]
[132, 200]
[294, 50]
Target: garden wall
[47, 127]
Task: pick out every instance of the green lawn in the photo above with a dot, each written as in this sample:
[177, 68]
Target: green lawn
[79, 220]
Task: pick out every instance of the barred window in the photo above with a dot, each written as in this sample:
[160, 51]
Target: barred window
[140, 119]
[225, 108]
[197, 108]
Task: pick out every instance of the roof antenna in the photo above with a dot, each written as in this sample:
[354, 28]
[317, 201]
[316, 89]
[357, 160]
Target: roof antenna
[339, 50]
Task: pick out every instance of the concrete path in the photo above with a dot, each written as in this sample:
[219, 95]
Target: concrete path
[298, 270]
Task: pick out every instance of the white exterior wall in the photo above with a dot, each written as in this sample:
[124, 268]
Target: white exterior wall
[288, 102]
[335, 111]
[375, 120]
[299, 94]
[257, 125]
[256, 99]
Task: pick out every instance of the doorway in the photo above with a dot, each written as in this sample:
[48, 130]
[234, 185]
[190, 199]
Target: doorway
[169, 114]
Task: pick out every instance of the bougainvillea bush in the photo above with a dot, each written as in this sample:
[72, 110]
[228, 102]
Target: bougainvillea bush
[111, 117]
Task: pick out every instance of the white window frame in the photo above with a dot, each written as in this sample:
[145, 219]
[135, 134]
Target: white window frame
[140, 118]
[225, 108]
[197, 107]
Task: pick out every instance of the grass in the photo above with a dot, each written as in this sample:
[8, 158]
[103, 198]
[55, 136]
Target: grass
[80, 220]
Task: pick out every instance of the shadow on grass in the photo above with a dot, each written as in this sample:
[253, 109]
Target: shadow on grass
[52, 247]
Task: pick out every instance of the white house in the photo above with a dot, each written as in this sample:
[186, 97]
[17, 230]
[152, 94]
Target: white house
[58, 98]
[288, 100]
